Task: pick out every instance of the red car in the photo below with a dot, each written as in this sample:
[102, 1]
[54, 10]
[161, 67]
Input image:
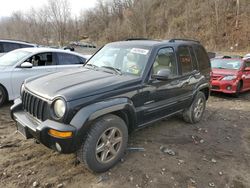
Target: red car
[230, 75]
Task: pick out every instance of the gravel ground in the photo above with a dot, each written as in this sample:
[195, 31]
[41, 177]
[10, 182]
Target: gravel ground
[213, 153]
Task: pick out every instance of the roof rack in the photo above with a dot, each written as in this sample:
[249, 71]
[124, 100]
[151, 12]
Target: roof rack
[129, 39]
[173, 40]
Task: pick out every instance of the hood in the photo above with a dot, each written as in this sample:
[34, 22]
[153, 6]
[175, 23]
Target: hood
[2, 68]
[5, 68]
[76, 84]
[224, 71]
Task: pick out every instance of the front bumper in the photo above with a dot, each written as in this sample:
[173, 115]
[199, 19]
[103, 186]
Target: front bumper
[224, 86]
[30, 127]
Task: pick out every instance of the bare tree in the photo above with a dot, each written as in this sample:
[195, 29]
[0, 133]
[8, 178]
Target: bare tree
[59, 15]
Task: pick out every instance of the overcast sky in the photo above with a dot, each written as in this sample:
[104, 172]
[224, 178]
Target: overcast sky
[8, 6]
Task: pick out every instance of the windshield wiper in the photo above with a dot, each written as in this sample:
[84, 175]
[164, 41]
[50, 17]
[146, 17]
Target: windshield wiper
[118, 71]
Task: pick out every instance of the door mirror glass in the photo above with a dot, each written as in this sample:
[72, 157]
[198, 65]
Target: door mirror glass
[26, 65]
[162, 74]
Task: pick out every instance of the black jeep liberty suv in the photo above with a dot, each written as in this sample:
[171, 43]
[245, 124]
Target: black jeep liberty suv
[125, 86]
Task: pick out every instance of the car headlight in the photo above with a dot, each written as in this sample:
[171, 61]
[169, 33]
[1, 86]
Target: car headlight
[59, 108]
[231, 77]
[22, 90]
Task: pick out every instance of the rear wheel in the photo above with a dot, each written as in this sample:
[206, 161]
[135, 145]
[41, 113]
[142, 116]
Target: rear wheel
[105, 143]
[3, 96]
[194, 113]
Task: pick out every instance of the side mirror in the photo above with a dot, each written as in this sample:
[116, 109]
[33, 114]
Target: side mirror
[247, 69]
[162, 74]
[26, 65]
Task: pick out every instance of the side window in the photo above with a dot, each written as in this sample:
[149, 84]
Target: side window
[25, 46]
[1, 48]
[10, 46]
[202, 57]
[82, 60]
[42, 59]
[67, 59]
[185, 59]
[194, 60]
[247, 64]
[165, 59]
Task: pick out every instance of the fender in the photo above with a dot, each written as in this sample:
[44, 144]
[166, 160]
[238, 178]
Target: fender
[93, 111]
[201, 87]
[82, 120]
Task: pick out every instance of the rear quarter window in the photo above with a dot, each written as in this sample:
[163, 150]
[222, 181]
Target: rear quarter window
[202, 57]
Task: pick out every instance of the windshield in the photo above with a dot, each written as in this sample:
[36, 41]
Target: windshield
[226, 64]
[128, 60]
[13, 57]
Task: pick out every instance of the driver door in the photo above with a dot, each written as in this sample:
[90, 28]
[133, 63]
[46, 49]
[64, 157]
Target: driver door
[162, 97]
[43, 63]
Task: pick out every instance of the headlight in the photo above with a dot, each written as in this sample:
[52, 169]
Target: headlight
[59, 108]
[229, 77]
[21, 90]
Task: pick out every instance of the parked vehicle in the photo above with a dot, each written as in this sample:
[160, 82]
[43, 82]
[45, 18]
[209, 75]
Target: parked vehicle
[230, 76]
[91, 110]
[9, 45]
[247, 56]
[18, 65]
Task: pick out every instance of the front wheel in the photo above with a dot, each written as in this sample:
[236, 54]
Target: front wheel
[105, 143]
[238, 89]
[194, 113]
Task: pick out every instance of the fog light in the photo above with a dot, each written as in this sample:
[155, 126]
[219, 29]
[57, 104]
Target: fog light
[58, 147]
[59, 134]
[229, 87]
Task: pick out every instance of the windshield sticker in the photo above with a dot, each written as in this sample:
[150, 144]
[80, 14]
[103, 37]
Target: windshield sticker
[139, 51]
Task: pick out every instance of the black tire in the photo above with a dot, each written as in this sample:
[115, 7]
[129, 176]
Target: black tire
[3, 96]
[191, 115]
[238, 89]
[99, 129]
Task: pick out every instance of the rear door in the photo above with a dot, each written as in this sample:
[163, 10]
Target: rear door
[190, 74]
[68, 61]
[43, 63]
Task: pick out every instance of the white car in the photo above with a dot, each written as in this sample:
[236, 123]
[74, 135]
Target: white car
[247, 56]
[18, 65]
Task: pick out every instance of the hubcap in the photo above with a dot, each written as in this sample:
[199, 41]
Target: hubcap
[108, 145]
[198, 109]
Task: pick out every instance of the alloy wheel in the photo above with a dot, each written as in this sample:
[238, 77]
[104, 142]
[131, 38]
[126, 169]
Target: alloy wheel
[108, 145]
[199, 108]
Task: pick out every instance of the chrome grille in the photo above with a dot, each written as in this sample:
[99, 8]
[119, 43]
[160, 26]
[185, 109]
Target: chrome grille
[35, 106]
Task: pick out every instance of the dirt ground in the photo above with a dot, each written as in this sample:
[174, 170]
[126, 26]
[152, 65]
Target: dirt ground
[213, 153]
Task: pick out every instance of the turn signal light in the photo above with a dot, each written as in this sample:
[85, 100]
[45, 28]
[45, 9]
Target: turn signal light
[59, 134]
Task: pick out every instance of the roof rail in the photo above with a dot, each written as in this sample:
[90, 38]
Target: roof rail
[129, 39]
[16, 40]
[173, 40]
